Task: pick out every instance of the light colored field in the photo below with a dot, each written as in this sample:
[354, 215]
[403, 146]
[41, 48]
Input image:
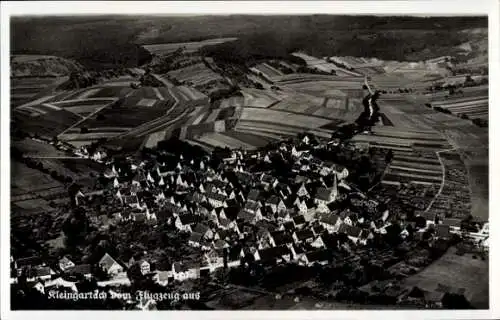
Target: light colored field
[269, 115]
[325, 88]
[323, 65]
[198, 119]
[197, 75]
[146, 102]
[267, 128]
[189, 93]
[154, 138]
[416, 164]
[220, 140]
[416, 177]
[167, 48]
[456, 105]
[213, 115]
[267, 71]
[158, 94]
[299, 102]
[256, 131]
[458, 272]
[83, 109]
[87, 136]
[88, 93]
[417, 170]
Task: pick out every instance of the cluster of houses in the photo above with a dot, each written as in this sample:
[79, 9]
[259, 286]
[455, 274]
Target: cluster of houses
[234, 214]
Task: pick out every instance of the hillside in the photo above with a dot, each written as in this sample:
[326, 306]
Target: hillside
[41, 66]
[108, 41]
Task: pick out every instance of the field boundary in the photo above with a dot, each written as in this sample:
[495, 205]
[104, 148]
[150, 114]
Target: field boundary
[443, 168]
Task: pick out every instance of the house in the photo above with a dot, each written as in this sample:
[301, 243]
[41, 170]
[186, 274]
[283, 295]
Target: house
[341, 172]
[61, 283]
[302, 191]
[350, 219]
[326, 195]
[353, 233]
[284, 190]
[273, 255]
[234, 256]
[38, 286]
[302, 206]
[253, 195]
[81, 270]
[185, 222]
[249, 217]
[303, 236]
[42, 273]
[217, 200]
[268, 181]
[305, 140]
[214, 258]
[284, 217]
[279, 238]
[365, 236]
[275, 203]
[65, 263]
[299, 221]
[253, 207]
[318, 243]
[204, 230]
[287, 226]
[144, 266]
[330, 222]
[195, 239]
[27, 262]
[163, 277]
[108, 264]
[318, 229]
[182, 271]
[321, 257]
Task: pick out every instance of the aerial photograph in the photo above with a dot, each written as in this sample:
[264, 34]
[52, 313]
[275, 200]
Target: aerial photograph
[249, 162]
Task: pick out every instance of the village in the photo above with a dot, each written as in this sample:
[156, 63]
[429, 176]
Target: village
[232, 213]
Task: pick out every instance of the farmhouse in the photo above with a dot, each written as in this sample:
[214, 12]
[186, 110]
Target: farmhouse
[325, 196]
[83, 270]
[65, 264]
[315, 257]
[108, 264]
[330, 222]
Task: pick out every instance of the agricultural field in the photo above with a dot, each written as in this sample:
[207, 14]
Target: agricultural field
[133, 112]
[260, 98]
[457, 272]
[216, 139]
[268, 72]
[471, 106]
[26, 89]
[415, 159]
[187, 47]
[197, 75]
[44, 121]
[323, 65]
[278, 116]
[29, 147]
[29, 181]
[454, 200]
